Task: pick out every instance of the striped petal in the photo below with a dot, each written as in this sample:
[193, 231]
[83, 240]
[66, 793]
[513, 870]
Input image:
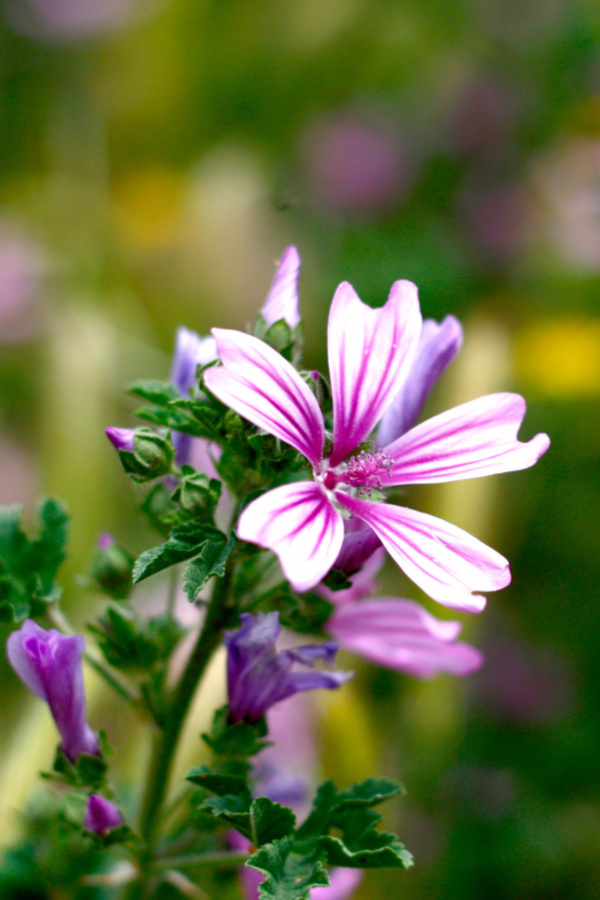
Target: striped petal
[443, 560]
[370, 352]
[300, 525]
[438, 345]
[282, 299]
[475, 439]
[263, 387]
[401, 635]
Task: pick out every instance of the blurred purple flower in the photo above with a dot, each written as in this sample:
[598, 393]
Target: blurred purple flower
[258, 677]
[494, 215]
[101, 815]
[21, 269]
[523, 683]
[67, 19]
[282, 299]
[355, 163]
[49, 664]
[121, 438]
[401, 635]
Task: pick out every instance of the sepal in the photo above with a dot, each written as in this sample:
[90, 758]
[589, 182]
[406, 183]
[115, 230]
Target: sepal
[152, 456]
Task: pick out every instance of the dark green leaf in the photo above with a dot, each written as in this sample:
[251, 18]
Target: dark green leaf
[221, 783]
[211, 561]
[290, 876]
[336, 580]
[376, 850]
[270, 821]
[185, 542]
[230, 808]
[368, 793]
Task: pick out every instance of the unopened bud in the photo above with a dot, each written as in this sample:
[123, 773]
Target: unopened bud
[121, 438]
[101, 816]
[111, 568]
[151, 456]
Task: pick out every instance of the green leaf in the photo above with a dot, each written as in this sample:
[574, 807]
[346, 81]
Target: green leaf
[336, 580]
[185, 541]
[367, 793]
[28, 567]
[234, 741]
[289, 875]
[377, 849]
[221, 783]
[212, 561]
[230, 808]
[132, 645]
[270, 821]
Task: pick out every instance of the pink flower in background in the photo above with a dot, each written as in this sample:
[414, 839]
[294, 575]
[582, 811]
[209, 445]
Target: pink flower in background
[355, 163]
[21, 270]
[68, 19]
[371, 352]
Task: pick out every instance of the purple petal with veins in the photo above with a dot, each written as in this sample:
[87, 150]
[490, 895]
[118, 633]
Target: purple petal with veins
[443, 560]
[370, 352]
[299, 523]
[476, 439]
[282, 299]
[263, 387]
[438, 345]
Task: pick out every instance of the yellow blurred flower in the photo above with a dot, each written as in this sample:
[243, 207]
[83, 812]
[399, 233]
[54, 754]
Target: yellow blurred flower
[559, 357]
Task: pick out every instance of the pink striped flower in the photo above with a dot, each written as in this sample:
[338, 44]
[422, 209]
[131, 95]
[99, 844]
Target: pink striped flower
[371, 352]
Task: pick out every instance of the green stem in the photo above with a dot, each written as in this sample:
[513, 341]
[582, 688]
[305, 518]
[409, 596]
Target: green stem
[166, 740]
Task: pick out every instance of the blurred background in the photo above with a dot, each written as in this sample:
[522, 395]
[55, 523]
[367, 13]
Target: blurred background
[156, 157]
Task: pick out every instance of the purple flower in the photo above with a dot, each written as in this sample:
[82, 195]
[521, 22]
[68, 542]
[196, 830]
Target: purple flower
[49, 664]
[438, 345]
[101, 815]
[371, 352]
[258, 677]
[282, 299]
[121, 438]
[401, 635]
[191, 351]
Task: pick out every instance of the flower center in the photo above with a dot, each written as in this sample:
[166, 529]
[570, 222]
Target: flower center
[362, 471]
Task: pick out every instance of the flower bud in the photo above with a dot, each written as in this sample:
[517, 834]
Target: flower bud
[121, 438]
[111, 568]
[101, 816]
[49, 664]
[150, 456]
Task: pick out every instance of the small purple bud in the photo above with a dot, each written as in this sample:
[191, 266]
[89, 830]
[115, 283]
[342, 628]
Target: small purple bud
[105, 541]
[121, 438]
[101, 815]
[49, 664]
[282, 299]
[315, 375]
[258, 676]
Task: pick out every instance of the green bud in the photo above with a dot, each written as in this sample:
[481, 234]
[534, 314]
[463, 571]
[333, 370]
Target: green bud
[151, 457]
[198, 494]
[111, 568]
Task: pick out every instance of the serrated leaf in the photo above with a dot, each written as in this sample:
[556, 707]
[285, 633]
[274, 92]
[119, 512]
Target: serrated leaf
[368, 793]
[185, 542]
[230, 808]
[270, 821]
[377, 850]
[211, 561]
[220, 783]
[289, 876]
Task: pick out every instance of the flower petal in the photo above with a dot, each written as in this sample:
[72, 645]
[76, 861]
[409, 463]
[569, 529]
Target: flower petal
[264, 388]
[475, 439]
[443, 560]
[438, 345]
[370, 352]
[300, 525]
[401, 635]
[282, 299]
[191, 351]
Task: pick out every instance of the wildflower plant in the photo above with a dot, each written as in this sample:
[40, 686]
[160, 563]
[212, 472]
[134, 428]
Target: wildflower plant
[271, 492]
